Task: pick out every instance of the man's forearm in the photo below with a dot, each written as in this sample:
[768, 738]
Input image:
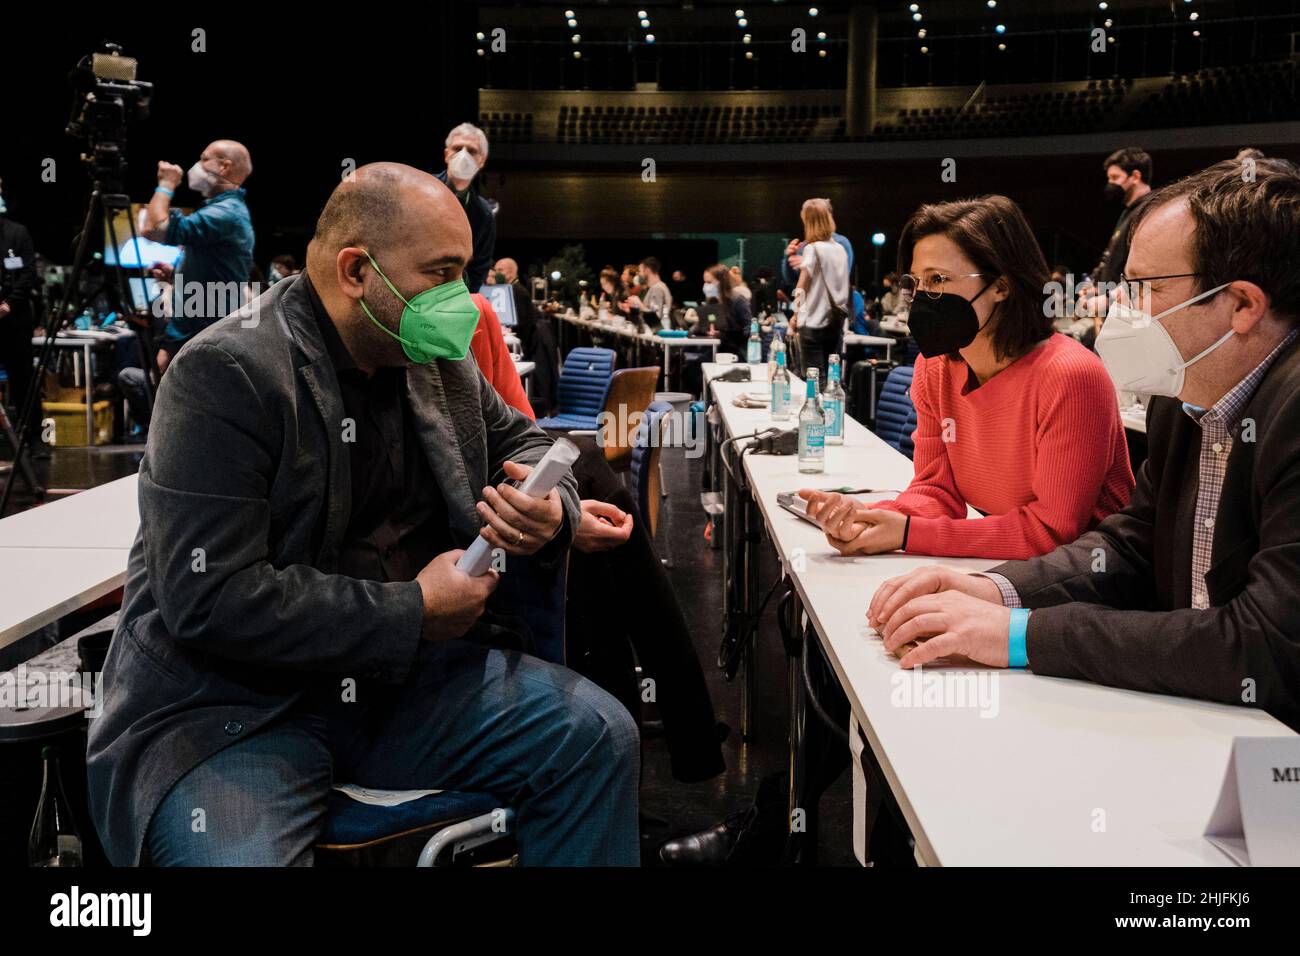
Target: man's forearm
[158, 212]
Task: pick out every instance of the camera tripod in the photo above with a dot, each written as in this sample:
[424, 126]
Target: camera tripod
[103, 204]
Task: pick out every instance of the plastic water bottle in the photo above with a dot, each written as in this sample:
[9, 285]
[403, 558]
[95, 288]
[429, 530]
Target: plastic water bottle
[833, 402]
[755, 354]
[812, 430]
[780, 390]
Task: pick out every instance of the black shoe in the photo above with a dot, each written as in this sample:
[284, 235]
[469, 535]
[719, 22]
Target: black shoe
[711, 847]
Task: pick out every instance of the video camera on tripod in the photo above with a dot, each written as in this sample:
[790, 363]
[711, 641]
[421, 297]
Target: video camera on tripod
[106, 97]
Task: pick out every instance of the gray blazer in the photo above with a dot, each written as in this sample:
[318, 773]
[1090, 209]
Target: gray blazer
[233, 607]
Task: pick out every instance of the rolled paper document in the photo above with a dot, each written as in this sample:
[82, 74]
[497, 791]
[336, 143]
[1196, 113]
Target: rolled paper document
[555, 464]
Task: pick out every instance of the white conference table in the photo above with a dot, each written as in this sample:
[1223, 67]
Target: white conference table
[60, 557]
[1029, 785]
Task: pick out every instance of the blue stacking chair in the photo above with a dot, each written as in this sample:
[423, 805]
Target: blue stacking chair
[532, 601]
[895, 413]
[584, 383]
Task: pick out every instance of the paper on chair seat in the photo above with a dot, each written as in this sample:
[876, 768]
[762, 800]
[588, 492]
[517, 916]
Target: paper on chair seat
[382, 798]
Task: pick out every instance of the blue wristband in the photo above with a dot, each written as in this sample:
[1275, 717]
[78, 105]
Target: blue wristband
[1016, 656]
[165, 191]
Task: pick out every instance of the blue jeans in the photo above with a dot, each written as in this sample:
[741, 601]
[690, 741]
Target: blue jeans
[551, 744]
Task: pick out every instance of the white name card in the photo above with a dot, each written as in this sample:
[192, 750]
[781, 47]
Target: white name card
[1257, 819]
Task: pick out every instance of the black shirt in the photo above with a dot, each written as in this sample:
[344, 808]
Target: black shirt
[398, 522]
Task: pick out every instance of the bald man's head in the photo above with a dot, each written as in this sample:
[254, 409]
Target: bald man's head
[508, 268]
[229, 160]
[406, 221]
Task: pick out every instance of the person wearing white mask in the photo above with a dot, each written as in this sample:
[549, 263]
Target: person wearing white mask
[217, 238]
[465, 152]
[1191, 589]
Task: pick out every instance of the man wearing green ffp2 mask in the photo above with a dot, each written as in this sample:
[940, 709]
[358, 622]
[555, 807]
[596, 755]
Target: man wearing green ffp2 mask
[436, 323]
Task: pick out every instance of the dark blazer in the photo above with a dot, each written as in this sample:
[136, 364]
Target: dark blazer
[233, 609]
[1132, 624]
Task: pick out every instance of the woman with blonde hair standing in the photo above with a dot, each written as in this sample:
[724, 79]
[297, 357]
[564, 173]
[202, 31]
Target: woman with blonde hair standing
[823, 290]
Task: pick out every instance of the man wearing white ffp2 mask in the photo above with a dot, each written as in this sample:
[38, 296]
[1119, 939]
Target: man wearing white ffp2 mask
[465, 153]
[1190, 589]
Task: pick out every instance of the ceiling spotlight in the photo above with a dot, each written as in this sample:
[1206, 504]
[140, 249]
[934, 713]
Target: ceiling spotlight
[641, 14]
[480, 51]
[914, 7]
[572, 22]
[812, 11]
[1193, 16]
[1002, 46]
[992, 4]
[568, 13]
[1196, 33]
[740, 13]
[746, 38]
[821, 52]
[921, 33]
[1000, 28]
[1108, 23]
[925, 49]
[644, 23]
[577, 54]
[479, 37]
[576, 38]
[649, 38]
[749, 54]
[916, 17]
[1103, 5]
[821, 35]
[743, 22]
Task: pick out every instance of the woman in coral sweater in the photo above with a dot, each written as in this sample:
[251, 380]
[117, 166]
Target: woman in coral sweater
[1014, 420]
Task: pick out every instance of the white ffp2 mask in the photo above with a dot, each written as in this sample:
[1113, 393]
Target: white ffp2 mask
[1139, 353]
[463, 165]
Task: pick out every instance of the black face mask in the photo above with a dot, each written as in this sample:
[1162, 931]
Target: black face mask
[1114, 192]
[942, 326]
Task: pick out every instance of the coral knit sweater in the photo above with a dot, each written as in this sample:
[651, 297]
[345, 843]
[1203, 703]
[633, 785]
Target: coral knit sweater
[493, 357]
[1039, 448]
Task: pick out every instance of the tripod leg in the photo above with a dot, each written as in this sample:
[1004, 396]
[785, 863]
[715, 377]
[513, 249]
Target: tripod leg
[19, 462]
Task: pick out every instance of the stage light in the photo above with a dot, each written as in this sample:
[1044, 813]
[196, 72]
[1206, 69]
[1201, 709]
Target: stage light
[821, 52]
[480, 51]
[577, 54]
[992, 4]
[480, 37]
[1193, 15]
[1002, 46]
[742, 22]
[812, 11]
[740, 13]
[877, 238]
[925, 49]
[649, 38]
[749, 54]
[573, 22]
[921, 33]
[1103, 5]
[568, 13]
[821, 36]
[1000, 28]
[576, 38]
[641, 14]
[914, 7]
[1196, 33]
[916, 17]
[746, 38]
[644, 23]
[1108, 23]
